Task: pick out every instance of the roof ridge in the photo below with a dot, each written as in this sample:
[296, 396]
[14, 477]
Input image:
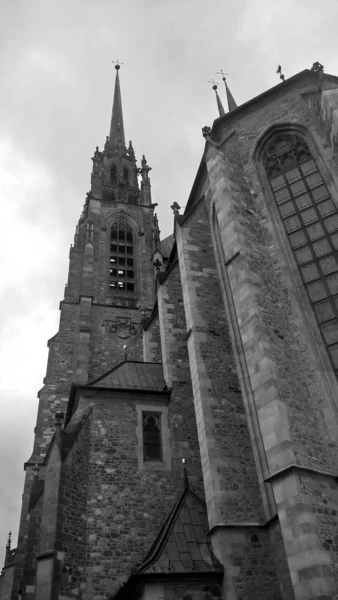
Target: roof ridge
[165, 532]
[106, 373]
[122, 363]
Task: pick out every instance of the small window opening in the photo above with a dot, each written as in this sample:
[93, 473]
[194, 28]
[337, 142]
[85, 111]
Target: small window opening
[152, 437]
[126, 175]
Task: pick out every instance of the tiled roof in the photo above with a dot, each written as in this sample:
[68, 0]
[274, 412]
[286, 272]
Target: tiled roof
[133, 375]
[182, 545]
[166, 245]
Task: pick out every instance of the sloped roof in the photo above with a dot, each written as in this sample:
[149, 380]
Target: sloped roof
[166, 245]
[65, 438]
[182, 545]
[132, 375]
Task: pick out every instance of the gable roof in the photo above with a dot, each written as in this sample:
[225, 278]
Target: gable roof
[166, 245]
[181, 548]
[182, 545]
[307, 75]
[132, 375]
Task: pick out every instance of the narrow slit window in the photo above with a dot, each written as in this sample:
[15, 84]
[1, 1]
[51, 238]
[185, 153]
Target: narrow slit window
[310, 219]
[152, 436]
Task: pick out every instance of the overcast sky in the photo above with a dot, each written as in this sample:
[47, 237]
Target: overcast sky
[56, 95]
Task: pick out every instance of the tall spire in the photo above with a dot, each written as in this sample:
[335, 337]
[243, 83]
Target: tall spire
[219, 102]
[116, 127]
[231, 101]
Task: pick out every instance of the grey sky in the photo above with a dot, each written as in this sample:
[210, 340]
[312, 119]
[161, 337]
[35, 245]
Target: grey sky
[56, 96]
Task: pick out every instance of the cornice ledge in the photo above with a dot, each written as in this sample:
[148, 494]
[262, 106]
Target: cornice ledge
[298, 468]
[245, 525]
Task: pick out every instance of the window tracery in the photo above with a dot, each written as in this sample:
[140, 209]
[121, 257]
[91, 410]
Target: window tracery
[310, 219]
[121, 261]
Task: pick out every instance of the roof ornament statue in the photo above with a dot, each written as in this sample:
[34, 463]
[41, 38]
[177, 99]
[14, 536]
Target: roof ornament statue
[317, 67]
[157, 264]
[279, 72]
[175, 207]
[206, 130]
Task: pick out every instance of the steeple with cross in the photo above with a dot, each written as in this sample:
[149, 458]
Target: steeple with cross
[115, 175]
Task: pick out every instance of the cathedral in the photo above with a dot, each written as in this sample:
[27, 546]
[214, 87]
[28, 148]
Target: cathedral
[186, 442]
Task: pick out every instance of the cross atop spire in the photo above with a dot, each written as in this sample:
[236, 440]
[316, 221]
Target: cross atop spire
[117, 127]
[231, 102]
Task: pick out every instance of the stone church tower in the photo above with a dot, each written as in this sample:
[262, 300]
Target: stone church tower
[187, 430]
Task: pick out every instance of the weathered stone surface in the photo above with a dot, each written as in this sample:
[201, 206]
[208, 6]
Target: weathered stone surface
[250, 398]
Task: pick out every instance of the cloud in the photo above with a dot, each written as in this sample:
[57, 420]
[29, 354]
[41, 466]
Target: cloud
[57, 84]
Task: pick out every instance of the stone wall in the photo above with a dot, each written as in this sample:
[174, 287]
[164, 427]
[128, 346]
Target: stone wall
[177, 374]
[152, 351]
[230, 477]
[6, 583]
[126, 505]
[293, 390]
[72, 533]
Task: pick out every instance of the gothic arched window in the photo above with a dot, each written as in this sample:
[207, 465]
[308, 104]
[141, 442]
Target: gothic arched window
[152, 439]
[113, 174]
[121, 262]
[310, 219]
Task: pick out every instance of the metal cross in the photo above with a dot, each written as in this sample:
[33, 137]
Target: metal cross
[117, 63]
[221, 72]
[213, 82]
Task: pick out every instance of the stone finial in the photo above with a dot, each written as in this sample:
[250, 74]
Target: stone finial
[176, 209]
[9, 541]
[59, 418]
[279, 72]
[206, 131]
[185, 474]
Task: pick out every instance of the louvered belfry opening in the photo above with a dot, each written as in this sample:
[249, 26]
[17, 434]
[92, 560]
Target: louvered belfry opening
[310, 219]
[121, 262]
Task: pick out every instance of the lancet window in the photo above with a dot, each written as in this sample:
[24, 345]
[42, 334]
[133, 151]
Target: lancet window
[113, 174]
[152, 438]
[126, 175]
[310, 219]
[121, 262]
